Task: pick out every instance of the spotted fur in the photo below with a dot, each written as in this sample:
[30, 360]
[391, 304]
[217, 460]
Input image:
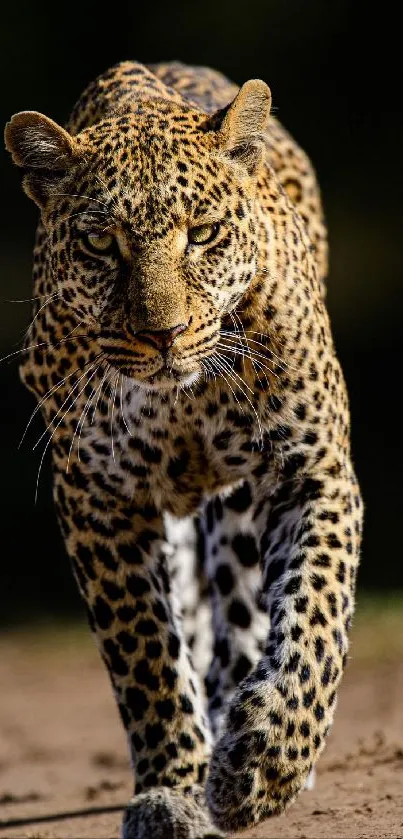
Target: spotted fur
[199, 428]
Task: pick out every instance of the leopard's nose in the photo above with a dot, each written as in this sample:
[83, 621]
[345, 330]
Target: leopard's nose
[162, 339]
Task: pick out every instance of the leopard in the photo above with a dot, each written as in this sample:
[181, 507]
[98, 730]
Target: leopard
[182, 358]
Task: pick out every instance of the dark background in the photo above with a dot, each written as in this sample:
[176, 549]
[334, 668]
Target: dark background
[334, 76]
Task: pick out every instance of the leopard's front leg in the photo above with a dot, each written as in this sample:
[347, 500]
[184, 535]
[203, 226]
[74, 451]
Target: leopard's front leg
[281, 713]
[240, 625]
[115, 548]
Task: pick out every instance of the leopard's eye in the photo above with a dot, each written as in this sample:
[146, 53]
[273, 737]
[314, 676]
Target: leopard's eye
[99, 243]
[203, 234]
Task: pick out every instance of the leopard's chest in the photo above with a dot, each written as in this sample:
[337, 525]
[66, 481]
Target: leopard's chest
[177, 457]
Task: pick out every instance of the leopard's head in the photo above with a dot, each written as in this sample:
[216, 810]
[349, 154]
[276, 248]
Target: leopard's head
[151, 223]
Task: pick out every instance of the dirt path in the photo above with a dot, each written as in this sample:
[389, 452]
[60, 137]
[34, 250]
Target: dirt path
[62, 749]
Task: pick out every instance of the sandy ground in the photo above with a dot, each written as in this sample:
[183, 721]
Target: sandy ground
[64, 769]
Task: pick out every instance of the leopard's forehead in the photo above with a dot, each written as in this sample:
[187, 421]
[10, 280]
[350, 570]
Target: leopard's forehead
[152, 142]
[158, 163]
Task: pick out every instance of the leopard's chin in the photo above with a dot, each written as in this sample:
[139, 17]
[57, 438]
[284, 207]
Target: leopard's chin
[168, 379]
[161, 375]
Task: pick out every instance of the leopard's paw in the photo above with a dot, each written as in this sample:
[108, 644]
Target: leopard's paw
[166, 814]
[250, 779]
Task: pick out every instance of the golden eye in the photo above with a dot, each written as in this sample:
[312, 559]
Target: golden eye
[203, 234]
[99, 243]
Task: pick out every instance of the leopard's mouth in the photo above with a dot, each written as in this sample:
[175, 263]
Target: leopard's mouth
[162, 370]
[162, 375]
[168, 377]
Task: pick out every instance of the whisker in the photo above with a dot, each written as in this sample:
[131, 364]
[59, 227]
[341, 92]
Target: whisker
[49, 392]
[63, 404]
[52, 297]
[99, 391]
[86, 410]
[253, 357]
[25, 299]
[122, 407]
[185, 389]
[85, 213]
[113, 413]
[80, 420]
[257, 365]
[247, 344]
[284, 364]
[77, 195]
[270, 339]
[80, 424]
[223, 370]
[45, 344]
[114, 201]
[218, 364]
[54, 432]
[234, 374]
[238, 320]
[206, 369]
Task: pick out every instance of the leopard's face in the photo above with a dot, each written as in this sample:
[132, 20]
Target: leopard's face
[152, 236]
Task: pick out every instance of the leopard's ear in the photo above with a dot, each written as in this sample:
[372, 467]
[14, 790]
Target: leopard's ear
[42, 148]
[244, 125]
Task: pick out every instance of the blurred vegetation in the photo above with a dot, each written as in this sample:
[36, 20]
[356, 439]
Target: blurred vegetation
[325, 72]
[377, 627]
